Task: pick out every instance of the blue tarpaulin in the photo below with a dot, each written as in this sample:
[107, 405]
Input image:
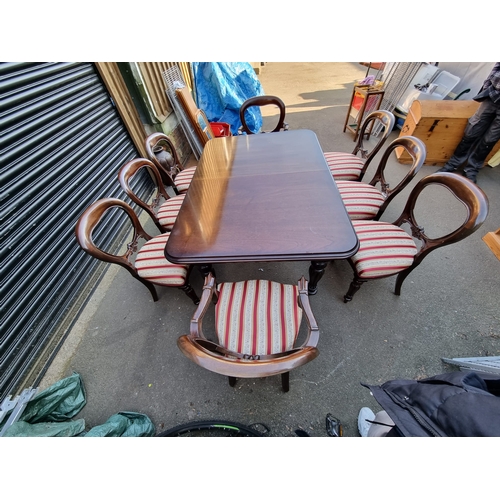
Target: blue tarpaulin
[221, 89]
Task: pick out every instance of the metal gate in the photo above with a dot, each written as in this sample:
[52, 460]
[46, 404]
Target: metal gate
[61, 146]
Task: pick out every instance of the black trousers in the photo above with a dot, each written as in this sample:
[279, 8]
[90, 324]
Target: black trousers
[481, 134]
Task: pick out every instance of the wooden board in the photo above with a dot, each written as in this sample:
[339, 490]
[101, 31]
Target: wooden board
[493, 241]
[440, 125]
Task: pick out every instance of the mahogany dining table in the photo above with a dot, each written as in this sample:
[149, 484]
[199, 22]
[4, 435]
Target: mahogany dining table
[263, 197]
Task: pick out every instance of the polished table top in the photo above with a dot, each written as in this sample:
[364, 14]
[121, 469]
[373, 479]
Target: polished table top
[262, 197]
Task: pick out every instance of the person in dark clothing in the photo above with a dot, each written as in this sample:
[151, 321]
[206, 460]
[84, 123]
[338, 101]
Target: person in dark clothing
[456, 404]
[482, 131]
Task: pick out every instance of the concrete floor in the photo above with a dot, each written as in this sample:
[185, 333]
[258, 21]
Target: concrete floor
[124, 344]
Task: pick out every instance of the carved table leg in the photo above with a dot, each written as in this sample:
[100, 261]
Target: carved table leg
[205, 269]
[316, 271]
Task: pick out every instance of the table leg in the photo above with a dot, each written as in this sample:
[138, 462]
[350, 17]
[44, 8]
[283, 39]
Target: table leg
[206, 269]
[316, 271]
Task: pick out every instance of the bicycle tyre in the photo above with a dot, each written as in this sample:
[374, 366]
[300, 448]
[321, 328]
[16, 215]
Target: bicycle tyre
[213, 428]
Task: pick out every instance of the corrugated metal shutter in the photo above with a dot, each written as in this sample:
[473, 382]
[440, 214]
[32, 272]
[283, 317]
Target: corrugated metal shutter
[61, 146]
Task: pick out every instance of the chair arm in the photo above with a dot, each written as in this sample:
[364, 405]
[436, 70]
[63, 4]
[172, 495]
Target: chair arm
[244, 368]
[313, 330]
[195, 328]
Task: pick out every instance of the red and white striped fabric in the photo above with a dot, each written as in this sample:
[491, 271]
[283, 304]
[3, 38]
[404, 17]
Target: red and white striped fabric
[362, 201]
[167, 214]
[384, 249]
[344, 166]
[257, 316]
[152, 265]
[183, 179]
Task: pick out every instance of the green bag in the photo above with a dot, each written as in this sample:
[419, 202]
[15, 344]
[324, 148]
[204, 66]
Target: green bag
[49, 414]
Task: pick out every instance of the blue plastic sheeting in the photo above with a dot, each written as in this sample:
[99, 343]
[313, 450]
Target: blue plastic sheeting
[221, 89]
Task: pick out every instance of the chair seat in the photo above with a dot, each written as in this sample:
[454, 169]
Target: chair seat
[257, 317]
[152, 266]
[384, 249]
[167, 214]
[362, 201]
[344, 166]
[183, 179]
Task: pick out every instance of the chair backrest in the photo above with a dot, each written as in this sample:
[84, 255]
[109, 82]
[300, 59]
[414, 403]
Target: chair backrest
[386, 118]
[91, 218]
[473, 198]
[162, 153]
[125, 176]
[417, 151]
[263, 100]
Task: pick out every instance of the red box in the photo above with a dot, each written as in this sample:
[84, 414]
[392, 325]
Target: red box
[220, 129]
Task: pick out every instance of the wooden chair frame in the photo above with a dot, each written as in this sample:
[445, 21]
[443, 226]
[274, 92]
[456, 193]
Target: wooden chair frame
[263, 100]
[127, 173]
[91, 218]
[387, 119]
[215, 358]
[161, 151]
[473, 198]
[416, 149]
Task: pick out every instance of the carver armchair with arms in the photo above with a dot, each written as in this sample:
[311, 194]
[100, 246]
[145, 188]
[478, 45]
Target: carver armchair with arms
[162, 153]
[263, 100]
[163, 209]
[352, 166]
[257, 326]
[387, 249]
[147, 264]
[368, 201]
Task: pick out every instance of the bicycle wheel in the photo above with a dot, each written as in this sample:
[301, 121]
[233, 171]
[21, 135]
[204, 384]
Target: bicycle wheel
[214, 428]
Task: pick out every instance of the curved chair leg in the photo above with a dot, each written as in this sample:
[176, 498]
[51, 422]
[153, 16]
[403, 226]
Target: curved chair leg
[401, 277]
[353, 288]
[151, 288]
[232, 381]
[285, 381]
[188, 290]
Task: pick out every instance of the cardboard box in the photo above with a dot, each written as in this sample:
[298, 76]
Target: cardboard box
[440, 125]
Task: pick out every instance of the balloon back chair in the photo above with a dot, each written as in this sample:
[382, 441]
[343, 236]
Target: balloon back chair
[163, 209]
[388, 250]
[148, 264]
[352, 166]
[161, 151]
[367, 201]
[257, 325]
[263, 100]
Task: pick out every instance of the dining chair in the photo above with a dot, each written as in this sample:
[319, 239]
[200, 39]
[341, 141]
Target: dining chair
[387, 249]
[162, 208]
[161, 151]
[368, 201]
[263, 100]
[147, 264]
[256, 328]
[352, 166]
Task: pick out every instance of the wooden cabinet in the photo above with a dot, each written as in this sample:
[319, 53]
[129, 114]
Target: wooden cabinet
[364, 100]
[440, 125]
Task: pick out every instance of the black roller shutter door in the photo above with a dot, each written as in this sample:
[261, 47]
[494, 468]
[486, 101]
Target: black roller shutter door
[62, 144]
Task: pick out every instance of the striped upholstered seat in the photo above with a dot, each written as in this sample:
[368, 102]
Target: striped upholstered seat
[152, 265]
[384, 249]
[344, 166]
[183, 179]
[167, 214]
[149, 265]
[361, 200]
[257, 317]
